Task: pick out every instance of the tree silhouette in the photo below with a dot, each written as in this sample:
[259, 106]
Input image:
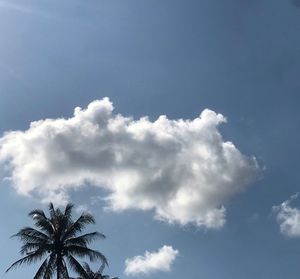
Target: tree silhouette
[95, 275]
[56, 242]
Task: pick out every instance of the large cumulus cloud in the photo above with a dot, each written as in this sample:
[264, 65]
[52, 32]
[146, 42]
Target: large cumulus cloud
[181, 169]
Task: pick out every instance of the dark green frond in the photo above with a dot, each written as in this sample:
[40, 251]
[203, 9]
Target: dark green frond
[89, 271]
[68, 210]
[60, 268]
[37, 212]
[50, 267]
[87, 268]
[86, 252]
[41, 221]
[52, 211]
[31, 258]
[76, 266]
[98, 274]
[28, 234]
[79, 225]
[101, 268]
[61, 223]
[64, 270]
[30, 247]
[41, 270]
[85, 239]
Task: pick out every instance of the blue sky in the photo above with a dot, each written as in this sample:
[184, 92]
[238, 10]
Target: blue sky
[237, 58]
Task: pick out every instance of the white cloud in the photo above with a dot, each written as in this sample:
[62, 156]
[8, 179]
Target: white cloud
[151, 262]
[181, 169]
[288, 218]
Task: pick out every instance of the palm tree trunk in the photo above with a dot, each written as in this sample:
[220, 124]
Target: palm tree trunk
[58, 262]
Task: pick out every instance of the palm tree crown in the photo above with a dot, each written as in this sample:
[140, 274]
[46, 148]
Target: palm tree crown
[96, 275]
[56, 242]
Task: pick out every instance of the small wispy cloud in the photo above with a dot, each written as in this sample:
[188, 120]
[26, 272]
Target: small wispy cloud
[151, 262]
[288, 217]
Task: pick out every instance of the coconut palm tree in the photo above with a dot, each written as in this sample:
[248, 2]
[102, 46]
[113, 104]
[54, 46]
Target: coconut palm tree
[95, 275]
[56, 242]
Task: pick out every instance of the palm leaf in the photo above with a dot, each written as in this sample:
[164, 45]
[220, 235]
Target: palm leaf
[29, 247]
[41, 270]
[31, 234]
[86, 252]
[76, 266]
[31, 258]
[41, 221]
[79, 225]
[84, 240]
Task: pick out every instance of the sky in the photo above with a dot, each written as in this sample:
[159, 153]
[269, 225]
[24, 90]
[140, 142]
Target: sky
[175, 123]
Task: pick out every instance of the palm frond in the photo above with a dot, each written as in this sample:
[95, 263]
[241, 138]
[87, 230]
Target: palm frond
[98, 274]
[79, 225]
[87, 268]
[101, 268]
[85, 239]
[76, 266]
[30, 247]
[31, 258]
[50, 267]
[52, 211]
[29, 234]
[41, 270]
[86, 252]
[68, 210]
[41, 221]
[36, 212]
[64, 270]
